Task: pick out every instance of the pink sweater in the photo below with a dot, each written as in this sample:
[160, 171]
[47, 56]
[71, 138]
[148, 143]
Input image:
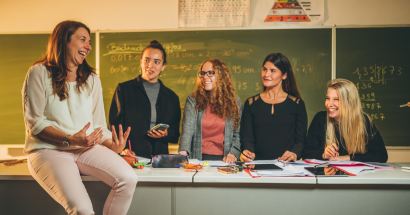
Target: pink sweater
[213, 133]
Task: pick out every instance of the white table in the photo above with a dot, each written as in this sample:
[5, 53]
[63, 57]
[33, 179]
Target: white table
[154, 194]
[174, 191]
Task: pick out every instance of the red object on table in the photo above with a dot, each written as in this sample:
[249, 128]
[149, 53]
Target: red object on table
[130, 159]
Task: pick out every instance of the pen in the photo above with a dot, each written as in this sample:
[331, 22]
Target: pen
[322, 165]
[406, 105]
[330, 143]
[328, 139]
[283, 162]
[241, 152]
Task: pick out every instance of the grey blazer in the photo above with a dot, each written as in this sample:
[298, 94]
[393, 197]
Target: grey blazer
[191, 135]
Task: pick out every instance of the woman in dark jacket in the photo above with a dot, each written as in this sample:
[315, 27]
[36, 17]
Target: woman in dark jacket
[144, 102]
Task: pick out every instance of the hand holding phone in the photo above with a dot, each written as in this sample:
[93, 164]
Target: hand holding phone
[159, 127]
[158, 131]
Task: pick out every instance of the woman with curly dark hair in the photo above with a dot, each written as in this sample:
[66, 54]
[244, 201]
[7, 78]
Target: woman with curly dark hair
[211, 121]
[274, 122]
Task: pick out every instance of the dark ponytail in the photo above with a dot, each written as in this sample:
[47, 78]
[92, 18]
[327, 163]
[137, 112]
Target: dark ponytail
[154, 44]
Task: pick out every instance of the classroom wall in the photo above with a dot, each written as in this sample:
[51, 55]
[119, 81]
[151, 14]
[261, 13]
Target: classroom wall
[43, 15]
[28, 16]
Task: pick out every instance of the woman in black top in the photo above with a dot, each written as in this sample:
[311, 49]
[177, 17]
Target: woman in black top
[344, 132]
[274, 123]
[143, 102]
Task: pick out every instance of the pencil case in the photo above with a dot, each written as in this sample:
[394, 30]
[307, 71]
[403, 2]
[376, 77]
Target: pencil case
[168, 161]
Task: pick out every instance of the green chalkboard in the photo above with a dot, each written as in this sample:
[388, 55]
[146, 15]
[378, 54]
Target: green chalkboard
[377, 61]
[17, 53]
[309, 51]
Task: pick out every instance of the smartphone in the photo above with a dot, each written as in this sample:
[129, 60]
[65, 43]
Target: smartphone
[327, 171]
[159, 127]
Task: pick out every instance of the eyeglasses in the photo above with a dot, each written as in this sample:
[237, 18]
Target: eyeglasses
[208, 73]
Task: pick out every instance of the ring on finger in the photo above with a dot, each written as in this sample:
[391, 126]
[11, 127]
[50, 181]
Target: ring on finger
[93, 142]
[115, 138]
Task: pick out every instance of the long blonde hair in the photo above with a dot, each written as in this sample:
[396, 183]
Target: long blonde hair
[224, 103]
[352, 119]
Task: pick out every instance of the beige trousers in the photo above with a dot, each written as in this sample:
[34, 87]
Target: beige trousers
[58, 172]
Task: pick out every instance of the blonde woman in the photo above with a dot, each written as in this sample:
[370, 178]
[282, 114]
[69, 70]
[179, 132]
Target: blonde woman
[210, 125]
[344, 132]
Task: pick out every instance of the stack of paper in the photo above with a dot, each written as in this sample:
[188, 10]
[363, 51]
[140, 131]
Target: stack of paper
[288, 170]
[351, 163]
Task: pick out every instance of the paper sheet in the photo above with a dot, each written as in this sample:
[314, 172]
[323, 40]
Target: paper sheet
[263, 162]
[215, 13]
[143, 159]
[211, 163]
[352, 163]
[315, 161]
[355, 170]
[288, 170]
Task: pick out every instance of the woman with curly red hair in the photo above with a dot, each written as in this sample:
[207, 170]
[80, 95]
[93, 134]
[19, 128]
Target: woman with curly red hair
[210, 125]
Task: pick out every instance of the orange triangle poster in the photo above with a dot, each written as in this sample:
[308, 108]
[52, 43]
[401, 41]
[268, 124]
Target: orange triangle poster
[287, 11]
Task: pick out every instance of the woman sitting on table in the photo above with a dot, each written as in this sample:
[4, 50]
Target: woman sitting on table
[344, 132]
[65, 125]
[144, 102]
[210, 126]
[274, 122]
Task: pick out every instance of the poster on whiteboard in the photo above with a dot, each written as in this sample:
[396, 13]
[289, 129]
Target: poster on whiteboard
[296, 12]
[215, 13]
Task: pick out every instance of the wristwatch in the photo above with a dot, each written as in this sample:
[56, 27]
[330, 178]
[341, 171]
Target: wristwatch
[65, 141]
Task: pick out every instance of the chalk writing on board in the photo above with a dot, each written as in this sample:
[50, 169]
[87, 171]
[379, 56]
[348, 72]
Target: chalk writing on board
[124, 57]
[370, 78]
[113, 48]
[371, 105]
[238, 69]
[378, 74]
[185, 67]
[377, 116]
[367, 97]
[182, 80]
[123, 68]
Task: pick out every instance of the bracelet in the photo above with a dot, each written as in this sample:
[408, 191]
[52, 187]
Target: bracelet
[65, 141]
